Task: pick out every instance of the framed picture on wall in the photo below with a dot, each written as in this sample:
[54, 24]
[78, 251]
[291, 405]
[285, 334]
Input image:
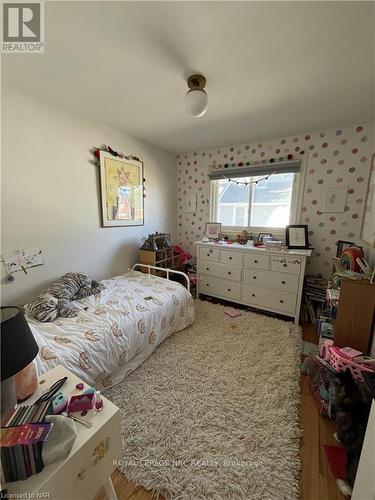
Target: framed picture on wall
[297, 236]
[121, 185]
[333, 199]
[213, 230]
[190, 203]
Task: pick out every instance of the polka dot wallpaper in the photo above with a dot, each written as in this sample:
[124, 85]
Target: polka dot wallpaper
[337, 157]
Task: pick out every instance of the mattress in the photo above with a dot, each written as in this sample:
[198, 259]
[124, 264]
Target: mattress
[115, 330]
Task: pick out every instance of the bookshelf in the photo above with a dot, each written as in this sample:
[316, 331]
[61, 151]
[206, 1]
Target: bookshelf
[163, 257]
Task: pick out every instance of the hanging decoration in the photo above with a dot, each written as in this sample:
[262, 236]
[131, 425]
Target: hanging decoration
[108, 149]
[246, 183]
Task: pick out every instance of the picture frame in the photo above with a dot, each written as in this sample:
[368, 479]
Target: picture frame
[190, 203]
[342, 245]
[213, 230]
[297, 236]
[121, 189]
[333, 199]
[261, 236]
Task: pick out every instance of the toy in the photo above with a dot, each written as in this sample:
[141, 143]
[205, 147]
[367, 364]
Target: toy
[99, 402]
[59, 403]
[349, 258]
[340, 361]
[81, 402]
[80, 386]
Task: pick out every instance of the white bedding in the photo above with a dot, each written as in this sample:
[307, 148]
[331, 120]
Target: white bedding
[116, 330]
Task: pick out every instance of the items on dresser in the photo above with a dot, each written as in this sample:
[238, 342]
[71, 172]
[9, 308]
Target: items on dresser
[251, 276]
[297, 236]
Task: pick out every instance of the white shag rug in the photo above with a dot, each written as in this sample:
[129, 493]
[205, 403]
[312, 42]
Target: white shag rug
[213, 413]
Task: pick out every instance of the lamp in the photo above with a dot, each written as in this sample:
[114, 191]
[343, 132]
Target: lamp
[18, 349]
[196, 99]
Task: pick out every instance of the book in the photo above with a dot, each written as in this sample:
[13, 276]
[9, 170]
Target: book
[21, 448]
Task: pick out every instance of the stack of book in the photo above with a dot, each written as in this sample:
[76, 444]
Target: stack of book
[314, 293]
[23, 432]
[325, 326]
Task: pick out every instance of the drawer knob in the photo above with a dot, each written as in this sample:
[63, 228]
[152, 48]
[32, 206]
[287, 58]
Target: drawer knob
[207, 284]
[253, 294]
[281, 301]
[285, 265]
[229, 272]
[254, 277]
[230, 258]
[283, 282]
[208, 255]
[255, 262]
[207, 268]
[229, 289]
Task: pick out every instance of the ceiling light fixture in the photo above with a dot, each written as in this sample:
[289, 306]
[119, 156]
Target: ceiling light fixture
[196, 99]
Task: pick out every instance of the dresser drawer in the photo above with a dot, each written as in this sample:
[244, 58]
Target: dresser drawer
[220, 270]
[220, 287]
[273, 299]
[229, 257]
[256, 261]
[286, 264]
[267, 279]
[209, 254]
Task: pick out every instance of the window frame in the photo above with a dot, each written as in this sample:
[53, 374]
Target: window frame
[295, 207]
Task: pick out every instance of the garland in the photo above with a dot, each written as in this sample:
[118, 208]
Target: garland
[108, 149]
[248, 182]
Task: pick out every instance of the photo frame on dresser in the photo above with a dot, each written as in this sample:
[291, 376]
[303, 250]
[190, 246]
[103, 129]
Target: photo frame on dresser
[213, 230]
[297, 236]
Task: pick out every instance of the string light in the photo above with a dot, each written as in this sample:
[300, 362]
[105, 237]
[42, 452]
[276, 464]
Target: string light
[246, 183]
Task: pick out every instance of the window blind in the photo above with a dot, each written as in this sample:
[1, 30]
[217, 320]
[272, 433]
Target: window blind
[278, 167]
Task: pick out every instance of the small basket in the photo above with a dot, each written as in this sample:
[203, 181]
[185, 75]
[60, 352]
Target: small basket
[341, 363]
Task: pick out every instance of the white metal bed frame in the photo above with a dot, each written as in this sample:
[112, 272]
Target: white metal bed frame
[166, 270]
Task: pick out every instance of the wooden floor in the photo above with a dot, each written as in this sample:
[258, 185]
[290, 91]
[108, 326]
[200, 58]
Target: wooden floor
[316, 481]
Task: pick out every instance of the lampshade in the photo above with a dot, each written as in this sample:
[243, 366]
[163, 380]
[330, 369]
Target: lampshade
[18, 346]
[196, 101]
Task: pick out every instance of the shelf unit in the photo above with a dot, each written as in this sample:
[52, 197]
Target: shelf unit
[160, 258]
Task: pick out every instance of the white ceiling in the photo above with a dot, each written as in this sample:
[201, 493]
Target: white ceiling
[273, 68]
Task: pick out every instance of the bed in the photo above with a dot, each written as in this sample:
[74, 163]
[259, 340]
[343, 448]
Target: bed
[115, 330]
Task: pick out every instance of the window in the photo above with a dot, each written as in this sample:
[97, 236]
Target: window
[271, 203]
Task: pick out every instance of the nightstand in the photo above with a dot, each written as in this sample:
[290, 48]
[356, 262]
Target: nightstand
[90, 462]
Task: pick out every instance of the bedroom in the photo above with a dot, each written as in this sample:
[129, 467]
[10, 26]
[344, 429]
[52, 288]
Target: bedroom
[202, 370]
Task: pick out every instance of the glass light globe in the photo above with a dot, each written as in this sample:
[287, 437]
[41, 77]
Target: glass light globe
[196, 101]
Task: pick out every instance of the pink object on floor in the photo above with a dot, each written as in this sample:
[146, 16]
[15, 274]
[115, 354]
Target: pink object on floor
[232, 312]
[336, 457]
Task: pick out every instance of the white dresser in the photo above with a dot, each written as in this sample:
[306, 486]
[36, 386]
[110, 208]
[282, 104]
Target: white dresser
[264, 279]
